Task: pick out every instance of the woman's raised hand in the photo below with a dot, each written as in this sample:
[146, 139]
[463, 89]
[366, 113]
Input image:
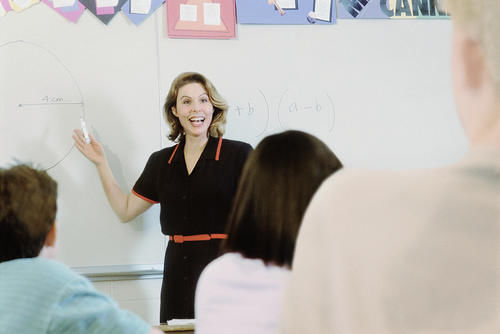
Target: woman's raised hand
[92, 151]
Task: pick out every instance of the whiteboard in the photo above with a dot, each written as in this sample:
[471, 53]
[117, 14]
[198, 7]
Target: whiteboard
[378, 92]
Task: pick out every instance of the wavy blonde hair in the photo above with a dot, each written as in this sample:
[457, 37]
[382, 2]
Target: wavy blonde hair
[480, 20]
[217, 127]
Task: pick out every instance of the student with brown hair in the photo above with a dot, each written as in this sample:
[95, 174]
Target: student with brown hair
[194, 182]
[40, 295]
[240, 292]
[413, 251]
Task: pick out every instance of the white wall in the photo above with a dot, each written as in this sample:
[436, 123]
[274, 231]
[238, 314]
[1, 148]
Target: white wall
[141, 297]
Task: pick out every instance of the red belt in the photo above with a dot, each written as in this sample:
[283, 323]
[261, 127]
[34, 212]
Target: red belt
[179, 239]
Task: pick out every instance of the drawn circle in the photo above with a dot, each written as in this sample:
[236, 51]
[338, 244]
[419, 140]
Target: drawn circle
[266, 112]
[40, 105]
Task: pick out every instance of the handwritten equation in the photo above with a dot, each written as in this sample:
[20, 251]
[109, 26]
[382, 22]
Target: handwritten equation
[251, 115]
[292, 110]
[308, 113]
[50, 100]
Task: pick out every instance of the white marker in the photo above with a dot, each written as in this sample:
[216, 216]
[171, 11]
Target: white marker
[84, 130]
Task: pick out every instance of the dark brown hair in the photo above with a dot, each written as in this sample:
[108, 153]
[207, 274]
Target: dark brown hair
[216, 128]
[277, 183]
[28, 205]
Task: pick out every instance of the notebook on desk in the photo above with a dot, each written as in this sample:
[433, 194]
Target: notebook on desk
[178, 325]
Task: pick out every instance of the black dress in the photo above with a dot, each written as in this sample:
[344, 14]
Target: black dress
[191, 204]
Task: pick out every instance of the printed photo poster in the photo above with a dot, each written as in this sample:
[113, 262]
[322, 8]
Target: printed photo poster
[390, 9]
[201, 19]
[286, 11]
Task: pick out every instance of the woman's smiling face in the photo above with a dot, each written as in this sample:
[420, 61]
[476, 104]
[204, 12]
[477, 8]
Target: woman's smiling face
[194, 109]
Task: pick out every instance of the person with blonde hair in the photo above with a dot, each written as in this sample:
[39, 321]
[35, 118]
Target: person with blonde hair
[194, 182]
[413, 251]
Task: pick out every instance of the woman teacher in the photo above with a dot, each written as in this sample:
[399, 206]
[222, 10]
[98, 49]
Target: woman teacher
[194, 182]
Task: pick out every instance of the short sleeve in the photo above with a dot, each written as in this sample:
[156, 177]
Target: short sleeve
[82, 309]
[146, 186]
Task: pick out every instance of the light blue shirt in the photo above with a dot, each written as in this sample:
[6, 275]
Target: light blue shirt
[44, 296]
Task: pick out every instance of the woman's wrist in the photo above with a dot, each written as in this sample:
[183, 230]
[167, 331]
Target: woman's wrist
[101, 164]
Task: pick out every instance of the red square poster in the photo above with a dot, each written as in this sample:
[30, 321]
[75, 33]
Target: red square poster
[201, 18]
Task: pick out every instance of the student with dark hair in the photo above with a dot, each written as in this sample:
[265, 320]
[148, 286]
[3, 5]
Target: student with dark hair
[240, 292]
[40, 295]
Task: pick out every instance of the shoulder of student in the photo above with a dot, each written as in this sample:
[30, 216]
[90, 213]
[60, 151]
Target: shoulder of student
[352, 195]
[357, 207]
[54, 271]
[218, 268]
[370, 184]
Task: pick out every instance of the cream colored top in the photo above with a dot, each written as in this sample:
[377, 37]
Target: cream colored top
[238, 295]
[401, 252]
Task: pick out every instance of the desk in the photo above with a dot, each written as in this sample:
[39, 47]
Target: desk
[176, 329]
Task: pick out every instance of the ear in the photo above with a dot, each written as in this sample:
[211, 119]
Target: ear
[174, 111]
[474, 65]
[50, 240]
